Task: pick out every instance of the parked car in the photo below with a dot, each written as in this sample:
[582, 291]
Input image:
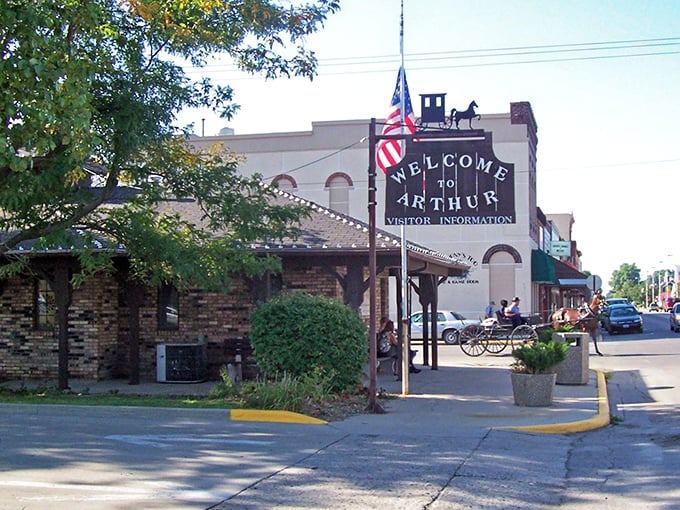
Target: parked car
[675, 317]
[653, 307]
[623, 318]
[611, 302]
[669, 302]
[449, 324]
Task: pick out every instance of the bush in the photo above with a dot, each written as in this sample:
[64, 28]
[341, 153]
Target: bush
[298, 334]
[540, 357]
[225, 389]
[545, 335]
[288, 393]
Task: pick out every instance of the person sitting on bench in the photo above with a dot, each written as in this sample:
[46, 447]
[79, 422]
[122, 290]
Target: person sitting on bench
[500, 313]
[514, 314]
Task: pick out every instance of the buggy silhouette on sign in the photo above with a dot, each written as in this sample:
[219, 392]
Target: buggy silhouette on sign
[433, 113]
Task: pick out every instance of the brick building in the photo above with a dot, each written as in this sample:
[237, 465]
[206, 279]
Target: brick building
[112, 328]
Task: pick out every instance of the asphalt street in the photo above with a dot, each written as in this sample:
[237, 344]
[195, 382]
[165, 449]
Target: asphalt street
[432, 449]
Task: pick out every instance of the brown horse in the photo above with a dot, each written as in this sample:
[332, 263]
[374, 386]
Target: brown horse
[583, 319]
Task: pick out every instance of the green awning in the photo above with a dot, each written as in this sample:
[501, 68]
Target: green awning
[542, 267]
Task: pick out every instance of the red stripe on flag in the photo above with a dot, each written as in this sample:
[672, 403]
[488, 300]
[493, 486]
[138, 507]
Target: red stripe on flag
[388, 152]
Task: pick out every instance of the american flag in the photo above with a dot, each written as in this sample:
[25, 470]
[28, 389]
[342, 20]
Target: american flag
[388, 152]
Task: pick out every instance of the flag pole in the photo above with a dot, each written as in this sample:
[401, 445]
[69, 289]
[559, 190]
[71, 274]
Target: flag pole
[406, 348]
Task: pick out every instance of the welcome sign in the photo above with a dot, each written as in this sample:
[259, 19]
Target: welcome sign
[450, 181]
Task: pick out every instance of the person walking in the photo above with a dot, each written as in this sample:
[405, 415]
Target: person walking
[488, 311]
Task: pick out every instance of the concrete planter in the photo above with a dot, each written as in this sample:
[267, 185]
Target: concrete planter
[574, 369]
[533, 390]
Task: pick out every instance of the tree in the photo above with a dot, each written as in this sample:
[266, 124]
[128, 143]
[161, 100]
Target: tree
[90, 91]
[625, 282]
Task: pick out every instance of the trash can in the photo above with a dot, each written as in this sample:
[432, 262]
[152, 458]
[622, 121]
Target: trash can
[574, 369]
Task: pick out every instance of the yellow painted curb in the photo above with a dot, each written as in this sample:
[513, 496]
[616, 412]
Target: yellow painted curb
[273, 416]
[601, 419]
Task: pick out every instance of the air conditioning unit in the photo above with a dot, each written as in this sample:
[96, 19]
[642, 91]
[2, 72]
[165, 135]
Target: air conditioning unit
[181, 363]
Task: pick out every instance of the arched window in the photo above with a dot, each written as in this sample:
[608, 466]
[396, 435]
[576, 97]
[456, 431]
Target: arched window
[502, 261]
[338, 186]
[285, 182]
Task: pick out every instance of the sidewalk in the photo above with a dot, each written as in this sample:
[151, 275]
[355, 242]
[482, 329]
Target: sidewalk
[481, 397]
[463, 392]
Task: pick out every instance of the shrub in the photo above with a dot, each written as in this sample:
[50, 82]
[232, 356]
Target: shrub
[545, 335]
[296, 334]
[225, 389]
[540, 357]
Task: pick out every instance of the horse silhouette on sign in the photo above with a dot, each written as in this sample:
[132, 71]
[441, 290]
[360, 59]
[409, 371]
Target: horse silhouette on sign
[457, 115]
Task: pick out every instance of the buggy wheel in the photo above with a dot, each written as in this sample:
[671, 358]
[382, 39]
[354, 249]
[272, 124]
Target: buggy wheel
[472, 340]
[522, 335]
[496, 344]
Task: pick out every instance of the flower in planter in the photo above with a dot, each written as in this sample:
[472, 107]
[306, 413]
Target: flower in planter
[539, 358]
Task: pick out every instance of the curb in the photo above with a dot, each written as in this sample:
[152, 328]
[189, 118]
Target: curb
[601, 419]
[273, 416]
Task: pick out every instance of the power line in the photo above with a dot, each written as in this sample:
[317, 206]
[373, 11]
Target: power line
[515, 48]
[362, 140]
[514, 51]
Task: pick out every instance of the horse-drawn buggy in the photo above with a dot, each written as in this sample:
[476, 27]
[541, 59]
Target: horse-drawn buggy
[433, 113]
[495, 334]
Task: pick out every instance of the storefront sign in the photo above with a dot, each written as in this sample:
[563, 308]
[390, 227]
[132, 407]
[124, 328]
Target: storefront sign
[450, 182]
[560, 248]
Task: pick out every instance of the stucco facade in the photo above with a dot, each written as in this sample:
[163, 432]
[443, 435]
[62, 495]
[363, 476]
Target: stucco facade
[329, 165]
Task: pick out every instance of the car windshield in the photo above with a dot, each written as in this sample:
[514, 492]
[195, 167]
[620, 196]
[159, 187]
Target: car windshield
[623, 311]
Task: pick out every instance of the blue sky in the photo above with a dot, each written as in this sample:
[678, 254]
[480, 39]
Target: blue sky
[608, 127]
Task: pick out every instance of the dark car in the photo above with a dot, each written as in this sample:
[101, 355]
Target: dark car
[611, 302]
[675, 317]
[623, 318]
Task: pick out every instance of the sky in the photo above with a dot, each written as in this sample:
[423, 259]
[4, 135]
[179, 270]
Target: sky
[601, 76]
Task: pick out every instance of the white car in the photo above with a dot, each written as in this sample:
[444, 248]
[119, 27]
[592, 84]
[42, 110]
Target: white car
[449, 324]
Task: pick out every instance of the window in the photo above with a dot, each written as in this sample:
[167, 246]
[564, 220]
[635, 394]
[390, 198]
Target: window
[285, 182]
[338, 186]
[168, 308]
[45, 306]
[264, 288]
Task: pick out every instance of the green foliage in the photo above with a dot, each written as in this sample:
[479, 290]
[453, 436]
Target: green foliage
[625, 283]
[288, 392]
[92, 89]
[225, 389]
[53, 396]
[540, 357]
[545, 335]
[298, 334]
